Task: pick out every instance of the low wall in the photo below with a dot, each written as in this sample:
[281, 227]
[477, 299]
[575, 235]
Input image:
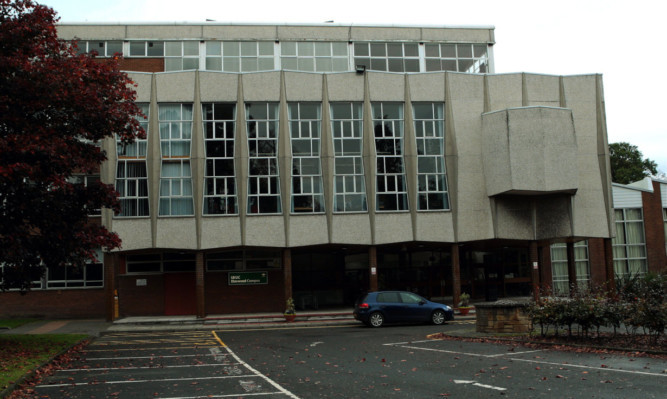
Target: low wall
[502, 316]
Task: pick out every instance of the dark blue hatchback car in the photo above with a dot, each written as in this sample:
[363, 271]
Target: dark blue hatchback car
[377, 308]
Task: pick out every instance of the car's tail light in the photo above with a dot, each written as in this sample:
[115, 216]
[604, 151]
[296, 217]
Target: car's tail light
[363, 306]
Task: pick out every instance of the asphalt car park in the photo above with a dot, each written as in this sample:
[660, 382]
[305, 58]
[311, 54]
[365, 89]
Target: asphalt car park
[166, 365]
[350, 361]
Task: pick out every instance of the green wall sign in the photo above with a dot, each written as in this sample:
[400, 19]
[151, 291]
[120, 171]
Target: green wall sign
[248, 278]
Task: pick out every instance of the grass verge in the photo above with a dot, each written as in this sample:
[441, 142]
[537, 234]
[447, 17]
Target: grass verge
[20, 354]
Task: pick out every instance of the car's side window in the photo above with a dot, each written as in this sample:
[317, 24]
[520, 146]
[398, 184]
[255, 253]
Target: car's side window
[407, 297]
[388, 297]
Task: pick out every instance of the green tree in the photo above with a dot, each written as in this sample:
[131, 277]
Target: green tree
[55, 106]
[628, 164]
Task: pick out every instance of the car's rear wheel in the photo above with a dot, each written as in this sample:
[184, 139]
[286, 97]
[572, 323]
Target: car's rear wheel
[438, 317]
[376, 319]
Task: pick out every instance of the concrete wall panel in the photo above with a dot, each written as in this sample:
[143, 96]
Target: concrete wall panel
[427, 87]
[303, 86]
[177, 233]
[386, 231]
[308, 230]
[265, 231]
[351, 229]
[435, 226]
[262, 86]
[175, 86]
[345, 87]
[218, 86]
[143, 89]
[217, 232]
[135, 233]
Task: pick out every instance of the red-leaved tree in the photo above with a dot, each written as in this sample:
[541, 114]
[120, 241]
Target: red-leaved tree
[55, 108]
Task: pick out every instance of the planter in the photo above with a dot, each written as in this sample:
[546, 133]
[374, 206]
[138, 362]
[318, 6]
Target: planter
[289, 317]
[464, 310]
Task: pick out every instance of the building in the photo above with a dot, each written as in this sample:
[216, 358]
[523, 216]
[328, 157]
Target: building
[320, 161]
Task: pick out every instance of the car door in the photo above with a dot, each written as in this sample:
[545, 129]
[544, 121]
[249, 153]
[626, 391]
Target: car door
[414, 308]
[391, 306]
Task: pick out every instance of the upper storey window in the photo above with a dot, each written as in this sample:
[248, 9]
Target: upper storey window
[429, 123]
[391, 57]
[349, 185]
[314, 56]
[239, 56]
[147, 49]
[180, 56]
[131, 174]
[263, 177]
[462, 57]
[175, 175]
[219, 180]
[101, 47]
[391, 189]
[305, 120]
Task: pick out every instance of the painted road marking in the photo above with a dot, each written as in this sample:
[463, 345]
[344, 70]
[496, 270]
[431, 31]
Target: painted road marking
[250, 388]
[513, 357]
[477, 384]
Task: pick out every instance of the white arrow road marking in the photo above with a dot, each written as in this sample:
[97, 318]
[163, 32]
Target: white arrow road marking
[479, 385]
[316, 343]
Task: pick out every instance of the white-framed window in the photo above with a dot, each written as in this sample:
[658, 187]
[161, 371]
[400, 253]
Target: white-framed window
[429, 121]
[240, 56]
[175, 121]
[391, 57]
[219, 179]
[34, 285]
[391, 192]
[89, 276]
[103, 48]
[243, 260]
[314, 56]
[263, 176]
[181, 55]
[131, 173]
[460, 57]
[305, 120]
[664, 218]
[146, 48]
[160, 263]
[349, 183]
[87, 181]
[560, 279]
[629, 245]
[132, 187]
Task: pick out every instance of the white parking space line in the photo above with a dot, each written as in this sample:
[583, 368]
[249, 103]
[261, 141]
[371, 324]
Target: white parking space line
[513, 356]
[156, 357]
[140, 381]
[257, 373]
[590, 367]
[142, 367]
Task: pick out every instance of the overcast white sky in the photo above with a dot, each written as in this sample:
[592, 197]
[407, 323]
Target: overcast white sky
[622, 40]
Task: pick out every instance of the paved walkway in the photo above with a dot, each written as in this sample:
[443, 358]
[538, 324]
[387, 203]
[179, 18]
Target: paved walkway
[97, 327]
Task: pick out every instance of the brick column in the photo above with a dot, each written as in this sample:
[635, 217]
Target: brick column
[287, 273]
[199, 285]
[546, 272]
[571, 269]
[609, 265]
[456, 275]
[534, 269]
[110, 265]
[373, 268]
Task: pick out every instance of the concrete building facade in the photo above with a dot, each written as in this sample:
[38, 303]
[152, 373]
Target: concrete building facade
[321, 161]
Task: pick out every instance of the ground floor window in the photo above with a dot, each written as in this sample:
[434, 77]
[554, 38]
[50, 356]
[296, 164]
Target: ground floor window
[629, 245]
[559, 272]
[90, 275]
[248, 259]
[162, 262]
